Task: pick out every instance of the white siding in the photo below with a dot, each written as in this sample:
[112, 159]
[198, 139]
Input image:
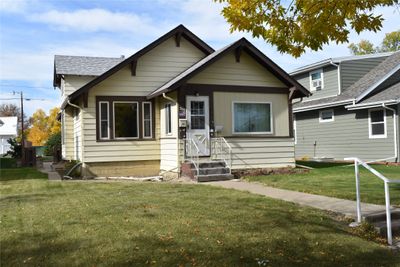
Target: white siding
[169, 154]
[262, 152]
[71, 83]
[68, 146]
[247, 72]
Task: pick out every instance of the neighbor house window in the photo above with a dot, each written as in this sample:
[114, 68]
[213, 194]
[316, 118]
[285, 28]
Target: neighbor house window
[126, 119]
[252, 118]
[168, 117]
[147, 119]
[377, 123]
[326, 115]
[316, 80]
[104, 120]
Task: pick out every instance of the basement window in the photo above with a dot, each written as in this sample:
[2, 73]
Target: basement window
[377, 123]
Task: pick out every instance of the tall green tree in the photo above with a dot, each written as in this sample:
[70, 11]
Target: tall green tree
[293, 26]
[390, 43]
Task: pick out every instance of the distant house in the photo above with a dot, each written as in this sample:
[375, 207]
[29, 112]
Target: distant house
[177, 101]
[8, 129]
[354, 108]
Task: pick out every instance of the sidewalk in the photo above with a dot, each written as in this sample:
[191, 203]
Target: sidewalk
[342, 206]
[53, 175]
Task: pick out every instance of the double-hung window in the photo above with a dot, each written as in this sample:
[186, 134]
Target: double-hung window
[104, 120]
[252, 118]
[147, 119]
[168, 119]
[316, 80]
[377, 123]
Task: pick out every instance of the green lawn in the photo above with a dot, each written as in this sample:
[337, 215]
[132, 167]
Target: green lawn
[337, 180]
[137, 224]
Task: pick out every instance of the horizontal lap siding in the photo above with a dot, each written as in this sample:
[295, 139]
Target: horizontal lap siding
[347, 136]
[77, 136]
[169, 154]
[352, 71]
[247, 72]
[262, 152]
[73, 83]
[68, 146]
[330, 75]
[153, 69]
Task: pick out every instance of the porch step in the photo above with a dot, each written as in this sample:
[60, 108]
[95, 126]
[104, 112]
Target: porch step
[381, 227]
[381, 216]
[214, 177]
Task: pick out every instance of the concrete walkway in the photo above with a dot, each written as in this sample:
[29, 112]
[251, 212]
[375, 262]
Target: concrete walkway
[52, 175]
[342, 206]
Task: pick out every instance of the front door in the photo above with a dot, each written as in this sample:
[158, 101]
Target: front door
[198, 119]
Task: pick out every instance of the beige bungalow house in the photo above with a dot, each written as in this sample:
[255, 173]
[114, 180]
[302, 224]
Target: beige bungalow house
[177, 106]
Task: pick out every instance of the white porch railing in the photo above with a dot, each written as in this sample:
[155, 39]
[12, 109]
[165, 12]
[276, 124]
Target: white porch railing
[192, 153]
[221, 150]
[386, 181]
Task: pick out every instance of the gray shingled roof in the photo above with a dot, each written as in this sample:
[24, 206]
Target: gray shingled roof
[365, 83]
[90, 66]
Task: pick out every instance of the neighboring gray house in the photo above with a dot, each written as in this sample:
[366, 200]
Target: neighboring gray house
[8, 129]
[353, 111]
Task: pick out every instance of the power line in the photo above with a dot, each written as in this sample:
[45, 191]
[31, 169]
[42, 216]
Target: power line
[25, 86]
[27, 99]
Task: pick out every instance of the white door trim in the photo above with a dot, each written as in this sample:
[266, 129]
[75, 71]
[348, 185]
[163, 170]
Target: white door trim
[200, 136]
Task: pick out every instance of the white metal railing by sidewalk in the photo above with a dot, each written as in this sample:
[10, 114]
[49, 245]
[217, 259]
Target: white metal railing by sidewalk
[386, 181]
[221, 150]
[192, 153]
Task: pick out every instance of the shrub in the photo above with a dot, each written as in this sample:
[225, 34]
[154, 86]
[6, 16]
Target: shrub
[8, 163]
[15, 148]
[53, 143]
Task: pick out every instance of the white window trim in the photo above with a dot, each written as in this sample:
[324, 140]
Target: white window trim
[108, 120]
[151, 120]
[326, 120]
[376, 136]
[137, 120]
[312, 88]
[251, 102]
[168, 120]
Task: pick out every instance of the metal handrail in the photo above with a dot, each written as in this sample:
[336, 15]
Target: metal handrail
[193, 157]
[386, 181]
[222, 150]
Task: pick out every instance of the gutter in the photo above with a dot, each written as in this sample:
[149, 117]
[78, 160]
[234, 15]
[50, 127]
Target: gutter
[371, 105]
[325, 105]
[339, 81]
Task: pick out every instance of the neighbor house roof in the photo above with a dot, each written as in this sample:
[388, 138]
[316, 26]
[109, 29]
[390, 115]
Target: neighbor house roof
[379, 84]
[8, 125]
[178, 32]
[241, 44]
[336, 60]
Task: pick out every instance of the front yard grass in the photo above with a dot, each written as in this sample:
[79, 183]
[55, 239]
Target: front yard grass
[85, 223]
[337, 180]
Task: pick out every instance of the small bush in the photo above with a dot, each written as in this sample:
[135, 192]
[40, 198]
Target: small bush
[15, 148]
[8, 163]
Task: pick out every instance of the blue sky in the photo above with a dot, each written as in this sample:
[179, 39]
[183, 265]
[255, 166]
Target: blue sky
[33, 31]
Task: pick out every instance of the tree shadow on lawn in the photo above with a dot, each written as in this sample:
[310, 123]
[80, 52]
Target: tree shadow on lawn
[21, 174]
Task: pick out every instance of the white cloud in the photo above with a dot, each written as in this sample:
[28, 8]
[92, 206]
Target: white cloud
[13, 6]
[95, 20]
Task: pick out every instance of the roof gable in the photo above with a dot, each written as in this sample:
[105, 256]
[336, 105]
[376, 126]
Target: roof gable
[238, 46]
[178, 33]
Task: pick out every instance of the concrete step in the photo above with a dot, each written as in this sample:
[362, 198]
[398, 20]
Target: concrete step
[211, 164]
[381, 227]
[214, 177]
[209, 171]
[381, 216]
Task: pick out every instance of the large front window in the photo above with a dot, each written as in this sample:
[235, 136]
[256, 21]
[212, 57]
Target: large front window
[126, 120]
[253, 118]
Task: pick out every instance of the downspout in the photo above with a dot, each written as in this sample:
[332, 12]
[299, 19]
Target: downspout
[164, 95]
[395, 133]
[82, 130]
[339, 81]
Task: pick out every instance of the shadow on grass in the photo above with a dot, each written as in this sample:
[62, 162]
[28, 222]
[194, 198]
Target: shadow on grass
[21, 174]
[321, 165]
